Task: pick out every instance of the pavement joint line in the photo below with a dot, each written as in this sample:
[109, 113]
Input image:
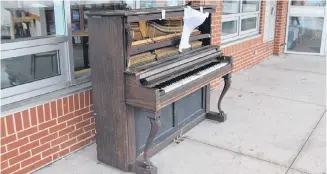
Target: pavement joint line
[222, 148]
[299, 171]
[287, 69]
[277, 97]
[306, 141]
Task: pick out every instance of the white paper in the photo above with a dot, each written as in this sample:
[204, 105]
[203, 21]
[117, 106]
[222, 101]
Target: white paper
[192, 18]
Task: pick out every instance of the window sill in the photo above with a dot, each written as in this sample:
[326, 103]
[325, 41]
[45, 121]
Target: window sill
[81, 84]
[237, 41]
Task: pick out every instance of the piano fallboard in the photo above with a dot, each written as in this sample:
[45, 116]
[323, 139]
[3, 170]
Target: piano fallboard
[155, 98]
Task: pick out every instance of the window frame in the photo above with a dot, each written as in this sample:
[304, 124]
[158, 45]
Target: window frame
[239, 17]
[40, 44]
[62, 41]
[228, 19]
[24, 88]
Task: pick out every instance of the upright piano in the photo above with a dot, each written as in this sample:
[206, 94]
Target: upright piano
[146, 92]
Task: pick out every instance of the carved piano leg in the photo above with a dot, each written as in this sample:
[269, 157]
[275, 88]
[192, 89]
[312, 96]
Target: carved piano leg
[146, 167]
[221, 116]
[155, 126]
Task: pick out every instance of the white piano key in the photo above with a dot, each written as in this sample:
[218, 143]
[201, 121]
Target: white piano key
[183, 61]
[193, 77]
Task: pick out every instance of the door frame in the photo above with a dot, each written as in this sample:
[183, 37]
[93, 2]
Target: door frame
[269, 20]
[323, 44]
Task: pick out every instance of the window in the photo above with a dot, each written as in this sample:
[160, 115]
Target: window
[308, 3]
[44, 43]
[27, 69]
[33, 48]
[79, 27]
[240, 19]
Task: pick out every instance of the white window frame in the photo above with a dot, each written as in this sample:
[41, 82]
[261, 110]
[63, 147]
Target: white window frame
[23, 88]
[231, 36]
[239, 17]
[61, 41]
[40, 44]
[250, 31]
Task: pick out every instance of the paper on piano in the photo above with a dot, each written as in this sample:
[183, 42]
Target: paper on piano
[192, 18]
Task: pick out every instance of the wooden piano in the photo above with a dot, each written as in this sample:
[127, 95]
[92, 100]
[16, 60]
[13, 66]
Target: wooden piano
[145, 91]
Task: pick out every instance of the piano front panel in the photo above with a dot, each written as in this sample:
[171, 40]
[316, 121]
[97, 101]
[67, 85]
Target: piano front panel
[142, 126]
[188, 107]
[173, 118]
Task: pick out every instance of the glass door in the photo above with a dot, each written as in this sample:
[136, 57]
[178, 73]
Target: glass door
[306, 27]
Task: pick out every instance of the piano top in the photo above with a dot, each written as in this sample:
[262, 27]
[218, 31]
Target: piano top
[158, 10]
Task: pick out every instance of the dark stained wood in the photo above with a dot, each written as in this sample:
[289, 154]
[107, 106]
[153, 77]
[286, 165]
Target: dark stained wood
[169, 139]
[207, 99]
[150, 11]
[162, 61]
[114, 122]
[145, 48]
[191, 87]
[138, 96]
[122, 99]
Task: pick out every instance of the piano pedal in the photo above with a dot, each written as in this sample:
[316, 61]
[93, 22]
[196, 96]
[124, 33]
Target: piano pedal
[180, 138]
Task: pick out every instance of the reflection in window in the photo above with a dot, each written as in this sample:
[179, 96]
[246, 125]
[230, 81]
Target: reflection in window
[229, 27]
[308, 2]
[23, 19]
[231, 7]
[248, 24]
[250, 6]
[29, 68]
[79, 22]
[304, 34]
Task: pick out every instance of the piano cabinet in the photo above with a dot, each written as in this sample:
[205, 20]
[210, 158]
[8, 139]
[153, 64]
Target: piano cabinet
[140, 104]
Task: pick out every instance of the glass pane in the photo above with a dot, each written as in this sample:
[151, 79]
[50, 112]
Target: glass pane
[23, 19]
[171, 3]
[79, 24]
[24, 69]
[231, 7]
[249, 23]
[304, 34]
[229, 27]
[308, 2]
[160, 3]
[250, 6]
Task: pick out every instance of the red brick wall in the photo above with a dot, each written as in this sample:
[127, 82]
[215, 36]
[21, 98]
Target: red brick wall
[39, 135]
[280, 30]
[246, 53]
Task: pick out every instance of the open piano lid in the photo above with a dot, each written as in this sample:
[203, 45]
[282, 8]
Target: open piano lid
[176, 11]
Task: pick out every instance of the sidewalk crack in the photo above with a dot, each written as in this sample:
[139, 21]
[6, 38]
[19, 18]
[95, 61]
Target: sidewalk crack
[306, 141]
[222, 148]
[250, 92]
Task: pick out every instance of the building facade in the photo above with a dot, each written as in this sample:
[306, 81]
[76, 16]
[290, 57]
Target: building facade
[46, 91]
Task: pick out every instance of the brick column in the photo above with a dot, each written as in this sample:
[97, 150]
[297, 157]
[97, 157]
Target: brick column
[280, 28]
[215, 22]
[215, 30]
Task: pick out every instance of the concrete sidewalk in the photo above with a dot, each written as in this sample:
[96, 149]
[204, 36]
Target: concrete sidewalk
[276, 124]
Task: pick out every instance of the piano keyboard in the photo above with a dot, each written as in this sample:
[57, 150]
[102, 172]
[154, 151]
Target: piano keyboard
[178, 63]
[193, 77]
